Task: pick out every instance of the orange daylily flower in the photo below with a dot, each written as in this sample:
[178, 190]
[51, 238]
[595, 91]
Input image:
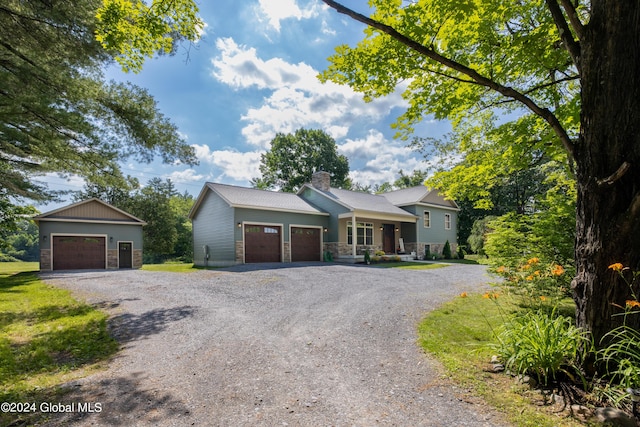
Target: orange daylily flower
[463, 295]
[633, 303]
[533, 260]
[557, 270]
[616, 267]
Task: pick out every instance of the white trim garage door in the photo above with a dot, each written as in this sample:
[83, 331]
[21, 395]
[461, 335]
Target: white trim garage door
[262, 243]
[79, 252]
[305, 244]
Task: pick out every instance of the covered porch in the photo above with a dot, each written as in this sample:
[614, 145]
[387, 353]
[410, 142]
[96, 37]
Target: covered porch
[378, 233]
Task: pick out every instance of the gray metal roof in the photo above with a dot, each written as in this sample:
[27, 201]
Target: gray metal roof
[418, 195]
[251, 198]
[407, 195]
[359, 201]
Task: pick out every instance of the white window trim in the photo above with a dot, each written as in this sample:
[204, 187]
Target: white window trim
[424, 217]
[447, 221]
[366, 225]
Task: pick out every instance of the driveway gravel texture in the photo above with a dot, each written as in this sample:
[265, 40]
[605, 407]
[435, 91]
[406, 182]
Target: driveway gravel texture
[303, 344]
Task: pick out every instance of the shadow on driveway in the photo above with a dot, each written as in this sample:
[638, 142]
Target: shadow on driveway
[130, 327]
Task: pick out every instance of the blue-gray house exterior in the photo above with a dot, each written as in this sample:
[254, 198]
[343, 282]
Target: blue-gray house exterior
[236, 225]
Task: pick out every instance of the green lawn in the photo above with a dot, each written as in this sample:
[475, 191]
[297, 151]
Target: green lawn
[46, 338]
[7, 268]
[460, 334]
[408, 265]
[171, 267]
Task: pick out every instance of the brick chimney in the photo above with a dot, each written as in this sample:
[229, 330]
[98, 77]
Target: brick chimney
[321, 180]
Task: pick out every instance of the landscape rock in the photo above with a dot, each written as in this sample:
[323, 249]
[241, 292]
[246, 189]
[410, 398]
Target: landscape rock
[614, 417]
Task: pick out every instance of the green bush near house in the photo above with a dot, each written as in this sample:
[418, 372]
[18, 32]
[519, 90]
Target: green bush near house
[446, 251]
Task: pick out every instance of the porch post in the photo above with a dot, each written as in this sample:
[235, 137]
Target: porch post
[354, 234]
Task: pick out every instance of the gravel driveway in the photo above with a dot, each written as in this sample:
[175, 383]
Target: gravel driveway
[272, 345]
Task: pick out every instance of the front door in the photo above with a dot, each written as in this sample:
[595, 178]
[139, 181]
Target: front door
[125, 255]
[389, 238]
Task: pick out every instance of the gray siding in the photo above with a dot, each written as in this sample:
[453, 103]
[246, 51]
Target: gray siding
[113, 232]
[273, 217]
[436, 234]
[326, 205]
[213, 226]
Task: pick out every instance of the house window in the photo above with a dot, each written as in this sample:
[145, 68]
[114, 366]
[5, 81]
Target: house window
[364, 233]
[447, 221]
[427, 219]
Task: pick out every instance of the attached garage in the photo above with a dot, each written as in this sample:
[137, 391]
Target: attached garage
[306, 244]
[89, 235]
[235, 225]
[262, 243]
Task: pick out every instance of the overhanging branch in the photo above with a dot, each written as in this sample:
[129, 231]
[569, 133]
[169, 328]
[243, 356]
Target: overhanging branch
[506, 91]
[572, 46]
[576, 24]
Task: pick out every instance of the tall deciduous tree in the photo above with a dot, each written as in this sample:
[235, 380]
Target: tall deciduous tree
[293, 158]
[58, 114]
[137, 30]
[572, 65]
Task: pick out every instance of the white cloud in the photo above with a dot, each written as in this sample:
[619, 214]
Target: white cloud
[186, 176]
[230, 164]
[277, 11]
[379, 159]
[297, 98]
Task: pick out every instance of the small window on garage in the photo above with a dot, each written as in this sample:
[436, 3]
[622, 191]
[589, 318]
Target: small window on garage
[271, 230]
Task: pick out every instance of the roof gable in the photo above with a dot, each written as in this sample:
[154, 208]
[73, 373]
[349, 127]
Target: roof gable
[251, 198]
[419, 195]
[360, 201]
[89, 210]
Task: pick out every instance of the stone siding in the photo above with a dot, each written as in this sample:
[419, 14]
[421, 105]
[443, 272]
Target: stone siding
[45, 260]
[112, 258]
[137, 258]
[239, 251]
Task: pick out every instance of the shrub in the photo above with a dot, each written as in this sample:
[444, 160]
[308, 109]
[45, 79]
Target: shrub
[622, 357]
[541, 345]
[446, 251]
[536, 281]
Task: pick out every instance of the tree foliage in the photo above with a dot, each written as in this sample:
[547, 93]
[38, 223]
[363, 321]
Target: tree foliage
[167, 234]
[58, 114]
[137, 30]
[293, 158]
[557, 77]
[21, 243]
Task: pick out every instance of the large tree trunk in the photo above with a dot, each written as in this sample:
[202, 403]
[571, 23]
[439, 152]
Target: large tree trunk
[607, 159]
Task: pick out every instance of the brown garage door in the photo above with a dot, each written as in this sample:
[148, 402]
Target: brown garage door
[305, 244]
[262, 243]
[78, 252]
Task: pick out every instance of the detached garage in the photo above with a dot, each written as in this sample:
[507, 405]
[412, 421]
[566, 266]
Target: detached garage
[90, 234]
